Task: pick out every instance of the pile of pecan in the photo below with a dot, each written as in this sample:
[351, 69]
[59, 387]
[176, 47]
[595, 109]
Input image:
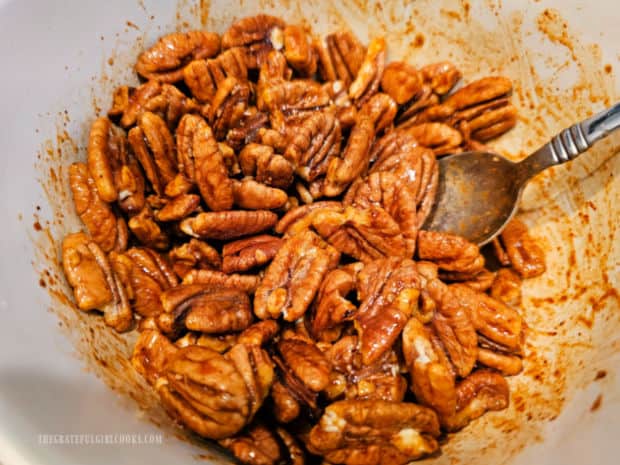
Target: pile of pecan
[255, 210]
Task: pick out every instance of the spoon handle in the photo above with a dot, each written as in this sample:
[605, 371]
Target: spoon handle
[572, 141]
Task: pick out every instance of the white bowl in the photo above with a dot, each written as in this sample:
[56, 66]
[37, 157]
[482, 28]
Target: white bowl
[60, 61]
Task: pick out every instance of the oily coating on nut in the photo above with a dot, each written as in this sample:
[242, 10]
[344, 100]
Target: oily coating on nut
[255, 210]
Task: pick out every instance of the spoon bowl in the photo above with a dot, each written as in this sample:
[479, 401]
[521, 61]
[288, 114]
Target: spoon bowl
[478, 192]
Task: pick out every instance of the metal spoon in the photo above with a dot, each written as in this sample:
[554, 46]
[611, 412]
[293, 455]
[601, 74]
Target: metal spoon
[478, 192]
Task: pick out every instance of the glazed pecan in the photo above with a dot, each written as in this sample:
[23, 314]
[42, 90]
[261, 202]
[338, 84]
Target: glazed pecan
[252, 195]
[507, 287]
[218, 342]
[315, 142]
[147, 231]
[441, 77]
[203, 77]
[211, 173]
[163, 99]
[151, 353]
[94, 283]
[145, 275]
[380, 109]
[506, 364]
[228, 105]
[450, 252]
[294, 276]
[481, 108]
[374, 432]
[257, 370]
[165, 60]
[266, 166]
[194, 254]
[178, 208]
[341, 57]
[498, 323]
[388, 290]
[228, 224]
[298, 51]
[205, 392]
[201, 308]
[331, 307]
[365, 234]
[481, 281]
[439, 137]
[383, 189]
[526, 256]
[154, 148]
[480, 392]
[401, 81]
[259, 333]
[368, 77]
[245, 254]
[247, 129]
[299, 218]
[116, 175]
[246, 283]
[258, 35]
[108, 231]
[292, 97]
[432, 376]
[353, 161]
[306, 362]
[453, 323]
[258, 445]
[286, 407]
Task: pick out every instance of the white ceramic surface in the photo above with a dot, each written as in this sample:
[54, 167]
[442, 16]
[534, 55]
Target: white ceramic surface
[53, 55]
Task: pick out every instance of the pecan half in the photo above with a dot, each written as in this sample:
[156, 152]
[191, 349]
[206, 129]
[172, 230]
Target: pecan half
[307, 362]
[432, 377]
[178, 208]
[258, 35]
[507, 287]
[108, 231]
[353, 160]
[205, 392]
[194, 254]
[526, 256]
[286, 407]
[228, 224]
[228, 105]
[480, 392]
[259, 333]
[439, 137]
[315, 142]
[401, 81]
[154, 148]
[147, 231]
[374, 432]
[151, 353]
[252, 252]
[94, 283]
[331, 307]
[201, 308]
[298, 51]
[165, 60]
[368, 77]
[116, 176]
[450, 252]
[258, 445]
[341, 57]
[441, 77]
[252, 195]
[388, 290]
[291, 97]
[247, 129]
[383, 189]
[246, 283]
[145, 275]
[294, 276]
[380, 109]
[266, 166]
[203, 77]
[211, 172]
